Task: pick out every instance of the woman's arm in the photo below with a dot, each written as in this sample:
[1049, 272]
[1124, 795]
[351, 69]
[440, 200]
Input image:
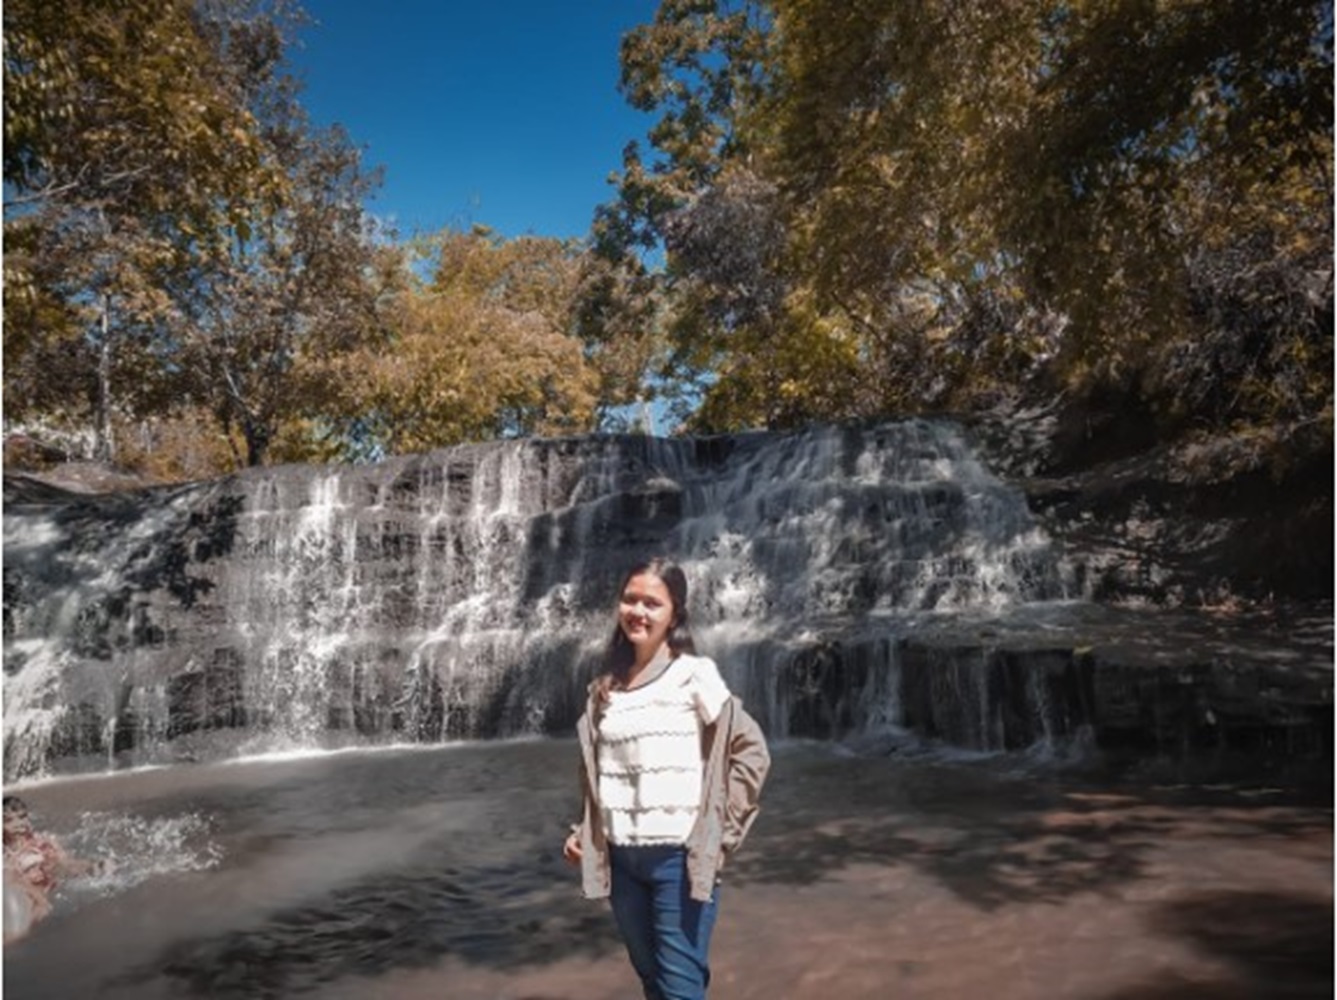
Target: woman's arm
[62, 863]
[749, 761]
[572, 852]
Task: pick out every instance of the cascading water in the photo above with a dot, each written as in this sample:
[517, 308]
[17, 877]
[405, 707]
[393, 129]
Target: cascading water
[465, 593]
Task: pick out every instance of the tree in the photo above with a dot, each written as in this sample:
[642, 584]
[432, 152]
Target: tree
[205, 247]
[746, 316]
[1159, 132]
[261, 327]
[120, 137]
[950, 202]
[619, 314]
[484, 346]
[696, 65]
[1076, 157]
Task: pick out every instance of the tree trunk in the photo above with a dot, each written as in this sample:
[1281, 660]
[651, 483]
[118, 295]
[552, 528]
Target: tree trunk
[257, 442]
[103, 447]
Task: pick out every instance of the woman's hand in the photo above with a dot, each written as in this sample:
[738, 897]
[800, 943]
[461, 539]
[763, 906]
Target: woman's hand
[571, 851]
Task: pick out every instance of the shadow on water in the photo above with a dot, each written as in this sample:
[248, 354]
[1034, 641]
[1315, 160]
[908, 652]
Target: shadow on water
[414, 918]
[994, 840]
[1278, 945]
[485, 886]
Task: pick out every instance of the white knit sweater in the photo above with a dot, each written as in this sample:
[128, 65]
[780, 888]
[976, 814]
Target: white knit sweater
[649, 753]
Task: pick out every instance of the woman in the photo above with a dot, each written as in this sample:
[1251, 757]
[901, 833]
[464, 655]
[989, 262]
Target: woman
[671, 771]
[34, 865]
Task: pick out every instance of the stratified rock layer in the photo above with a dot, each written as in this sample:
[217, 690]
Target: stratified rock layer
[849, 581]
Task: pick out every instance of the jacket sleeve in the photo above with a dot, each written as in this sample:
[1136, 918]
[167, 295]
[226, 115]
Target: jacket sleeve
[585, 779]
[749, 761]
[578, 826]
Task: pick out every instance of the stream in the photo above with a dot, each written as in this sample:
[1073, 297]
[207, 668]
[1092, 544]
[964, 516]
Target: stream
[883, 870]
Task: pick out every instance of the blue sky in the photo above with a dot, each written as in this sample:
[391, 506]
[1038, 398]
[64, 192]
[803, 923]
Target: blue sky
[501, 113]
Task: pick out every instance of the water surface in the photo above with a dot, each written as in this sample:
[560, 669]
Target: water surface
[420, 873]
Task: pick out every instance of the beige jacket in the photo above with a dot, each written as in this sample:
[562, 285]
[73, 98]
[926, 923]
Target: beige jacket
[735, 759]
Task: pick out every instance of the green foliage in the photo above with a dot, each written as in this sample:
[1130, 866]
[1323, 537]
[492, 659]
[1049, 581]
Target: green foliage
[185, 237]
[696, 64]
[485, 346]
[126, 140]
[873, 207]
[261, 330]
[842, 211]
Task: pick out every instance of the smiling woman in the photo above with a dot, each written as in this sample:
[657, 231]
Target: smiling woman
[672, 771]
[652, 614]
[647, 612]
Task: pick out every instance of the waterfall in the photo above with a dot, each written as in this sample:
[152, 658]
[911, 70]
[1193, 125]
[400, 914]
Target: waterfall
[467, 592]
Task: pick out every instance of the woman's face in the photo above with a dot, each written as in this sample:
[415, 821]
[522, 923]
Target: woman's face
[17, 824]
[645, 611]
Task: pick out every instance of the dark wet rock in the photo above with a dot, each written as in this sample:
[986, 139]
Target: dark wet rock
[847, 579]
[1197, 521]
[1152, 683]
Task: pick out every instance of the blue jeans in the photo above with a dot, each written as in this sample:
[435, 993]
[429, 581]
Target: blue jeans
[667, 933]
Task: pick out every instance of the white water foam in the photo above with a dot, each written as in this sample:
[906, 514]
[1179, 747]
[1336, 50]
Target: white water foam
[132, 849]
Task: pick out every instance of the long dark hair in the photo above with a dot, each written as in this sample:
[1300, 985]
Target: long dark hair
[620, 653]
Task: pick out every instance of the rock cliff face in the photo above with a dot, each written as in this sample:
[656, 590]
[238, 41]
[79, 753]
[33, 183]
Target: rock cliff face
[1201, 521]
[856, 582]
[466, 593]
